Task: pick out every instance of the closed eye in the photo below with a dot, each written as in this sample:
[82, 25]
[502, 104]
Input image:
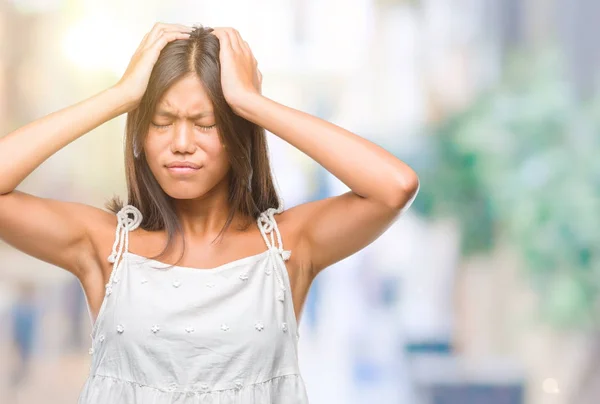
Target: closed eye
[203, 128]
[160, 126]
[206, 128]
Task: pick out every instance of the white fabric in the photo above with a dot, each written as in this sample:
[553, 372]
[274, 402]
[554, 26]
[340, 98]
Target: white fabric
[171, 334]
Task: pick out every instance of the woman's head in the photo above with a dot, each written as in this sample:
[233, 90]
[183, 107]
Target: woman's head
[183, 132]
[183, 117]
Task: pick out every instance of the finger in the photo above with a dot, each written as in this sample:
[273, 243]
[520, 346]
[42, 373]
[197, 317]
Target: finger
[234, 40]
[154, 32]
[243, 45]
[218, 32]
[171, 27]
[167, 37]
[181, 27]
[143, 42]
[224, 42]
[159, 28]
[247, 51]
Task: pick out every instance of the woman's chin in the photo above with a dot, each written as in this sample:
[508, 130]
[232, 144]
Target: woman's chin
[185, 192]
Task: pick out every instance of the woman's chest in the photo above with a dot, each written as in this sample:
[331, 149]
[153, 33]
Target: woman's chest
[238, 302]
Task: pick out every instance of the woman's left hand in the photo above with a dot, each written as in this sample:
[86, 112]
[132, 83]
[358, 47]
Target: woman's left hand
[240, 77]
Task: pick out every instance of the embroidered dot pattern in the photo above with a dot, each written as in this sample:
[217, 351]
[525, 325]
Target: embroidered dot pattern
[267, 225]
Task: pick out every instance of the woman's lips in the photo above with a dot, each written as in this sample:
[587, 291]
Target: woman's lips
[183, 170]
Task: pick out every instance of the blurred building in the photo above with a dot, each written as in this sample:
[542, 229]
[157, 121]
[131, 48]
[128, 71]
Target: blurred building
[409, 318]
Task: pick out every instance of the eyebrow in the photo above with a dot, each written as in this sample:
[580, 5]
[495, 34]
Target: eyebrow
[169, 114]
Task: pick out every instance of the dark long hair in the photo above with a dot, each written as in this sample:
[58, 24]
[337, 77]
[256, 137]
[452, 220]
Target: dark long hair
[251, 188]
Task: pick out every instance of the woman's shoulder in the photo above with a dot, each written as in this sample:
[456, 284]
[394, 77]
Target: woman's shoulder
[102, 226]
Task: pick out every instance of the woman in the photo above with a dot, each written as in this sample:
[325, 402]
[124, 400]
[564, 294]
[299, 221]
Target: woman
[199, 299]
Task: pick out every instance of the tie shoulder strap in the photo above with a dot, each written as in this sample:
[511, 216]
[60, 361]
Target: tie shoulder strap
[272, 237]
[129, 218]
[270, 232]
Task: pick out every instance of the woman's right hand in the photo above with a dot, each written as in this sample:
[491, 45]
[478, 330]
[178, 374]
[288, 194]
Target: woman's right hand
[135, 79]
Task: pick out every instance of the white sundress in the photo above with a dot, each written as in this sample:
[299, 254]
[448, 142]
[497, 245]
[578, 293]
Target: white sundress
[170, 334]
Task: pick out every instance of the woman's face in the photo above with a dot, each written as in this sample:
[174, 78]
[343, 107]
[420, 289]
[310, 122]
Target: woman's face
[183, 147]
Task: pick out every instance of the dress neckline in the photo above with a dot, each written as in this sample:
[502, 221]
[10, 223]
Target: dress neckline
[238, 262]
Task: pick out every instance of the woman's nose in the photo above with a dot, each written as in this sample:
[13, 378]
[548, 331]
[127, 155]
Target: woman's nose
[183, 139]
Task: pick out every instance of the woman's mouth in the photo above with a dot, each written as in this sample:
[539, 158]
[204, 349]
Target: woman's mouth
[183, 168]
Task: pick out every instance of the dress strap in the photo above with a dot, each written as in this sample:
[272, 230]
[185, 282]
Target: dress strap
[270, 233]
[125, 224]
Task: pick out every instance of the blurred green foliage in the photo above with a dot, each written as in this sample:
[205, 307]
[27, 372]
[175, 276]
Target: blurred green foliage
[522, 164]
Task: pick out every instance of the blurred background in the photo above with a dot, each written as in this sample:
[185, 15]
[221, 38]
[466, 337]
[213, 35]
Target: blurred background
[486, 291]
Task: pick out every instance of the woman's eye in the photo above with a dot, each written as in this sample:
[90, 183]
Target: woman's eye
[160, 126]
[206, 128]
[202, 127]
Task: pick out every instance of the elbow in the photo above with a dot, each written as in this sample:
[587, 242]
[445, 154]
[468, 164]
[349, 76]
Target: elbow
[6, 185]
[6, 190]
[404, 193]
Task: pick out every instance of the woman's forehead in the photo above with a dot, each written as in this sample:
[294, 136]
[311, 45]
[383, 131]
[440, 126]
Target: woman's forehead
[186, 96]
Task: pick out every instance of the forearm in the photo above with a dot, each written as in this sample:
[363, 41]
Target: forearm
[23, 150]
[367, 169]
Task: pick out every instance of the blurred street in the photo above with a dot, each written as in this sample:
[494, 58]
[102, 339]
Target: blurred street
[487, 291]
[51, 380]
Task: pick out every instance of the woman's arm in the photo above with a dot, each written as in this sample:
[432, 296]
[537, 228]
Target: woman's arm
[53, 231]
[368, 170]
[60, 232]
[381, 185]
[23, 150]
